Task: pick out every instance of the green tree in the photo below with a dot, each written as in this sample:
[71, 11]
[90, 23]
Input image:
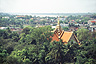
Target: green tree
[83, 34]
[31, 20]
[66, 28]
[3, 55]
[3, 34]
[86, 53]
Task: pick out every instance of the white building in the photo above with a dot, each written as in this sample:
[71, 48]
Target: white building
[3, 27]
[92, 28]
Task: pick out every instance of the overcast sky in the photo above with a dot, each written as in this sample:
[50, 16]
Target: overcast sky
[48, 6]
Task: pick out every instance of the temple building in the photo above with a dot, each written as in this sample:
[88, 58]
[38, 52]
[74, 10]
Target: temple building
[65, 36]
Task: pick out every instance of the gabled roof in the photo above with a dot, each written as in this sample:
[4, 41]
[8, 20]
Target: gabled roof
[66, 36]
[55, 38]
[61, 34]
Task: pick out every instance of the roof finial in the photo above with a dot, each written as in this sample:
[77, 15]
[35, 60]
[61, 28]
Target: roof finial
[58, 21]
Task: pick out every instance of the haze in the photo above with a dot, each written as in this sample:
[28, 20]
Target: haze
[48, 6]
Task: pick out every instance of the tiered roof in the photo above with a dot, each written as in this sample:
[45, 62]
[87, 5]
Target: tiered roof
[61, 34]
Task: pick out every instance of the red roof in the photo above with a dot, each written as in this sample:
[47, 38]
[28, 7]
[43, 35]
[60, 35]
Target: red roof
[65, 36]
[93, 21]
[72, 20]
[55, 38]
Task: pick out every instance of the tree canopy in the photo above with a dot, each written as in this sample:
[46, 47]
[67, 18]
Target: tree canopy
[34, 46]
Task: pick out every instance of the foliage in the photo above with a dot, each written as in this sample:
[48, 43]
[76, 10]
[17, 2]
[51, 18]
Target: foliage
[3, 55]
[66, 28]
[34, 46]
[83, 34]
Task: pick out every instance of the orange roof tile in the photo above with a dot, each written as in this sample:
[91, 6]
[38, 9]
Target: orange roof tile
[55, 38]
[66, 36]
[93, 21]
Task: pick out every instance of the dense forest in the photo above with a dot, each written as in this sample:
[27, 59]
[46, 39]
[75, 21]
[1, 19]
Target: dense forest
[34, 46]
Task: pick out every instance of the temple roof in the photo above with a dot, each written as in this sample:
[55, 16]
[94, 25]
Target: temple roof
[61, 34]
[55, 38]
[66, 36]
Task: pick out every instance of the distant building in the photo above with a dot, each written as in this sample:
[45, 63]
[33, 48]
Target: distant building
[53, 27]
[73, 28]
[52, 20]
[6, 17]
[92, 28]
[12, 28]
[3, 27]
[80, 24]
[64, 25]
[40, 26]
[62, 19]
[90, 22]
[20, 16]
[46, 23]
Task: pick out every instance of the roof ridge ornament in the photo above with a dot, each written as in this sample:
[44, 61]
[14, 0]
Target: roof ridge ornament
[58, 21]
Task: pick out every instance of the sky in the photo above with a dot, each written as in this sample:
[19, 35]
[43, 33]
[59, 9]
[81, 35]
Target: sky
[48, 6]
